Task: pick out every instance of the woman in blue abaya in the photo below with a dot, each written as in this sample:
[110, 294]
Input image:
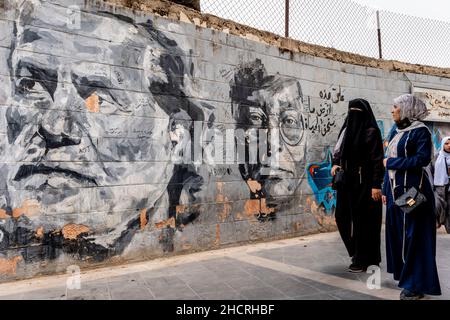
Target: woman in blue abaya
[410, 237]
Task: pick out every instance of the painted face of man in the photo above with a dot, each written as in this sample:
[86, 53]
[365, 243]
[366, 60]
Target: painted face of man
[87, 141]
[278, 109]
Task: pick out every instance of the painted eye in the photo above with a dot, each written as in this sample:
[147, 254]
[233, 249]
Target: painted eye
[27, 85]
[290, 121]
[291, 129]
[255, 117]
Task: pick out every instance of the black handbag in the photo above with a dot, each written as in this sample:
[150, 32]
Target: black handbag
[411, 199]
[338, 181]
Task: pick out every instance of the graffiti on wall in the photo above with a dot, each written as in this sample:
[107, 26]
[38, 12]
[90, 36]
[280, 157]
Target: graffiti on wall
[437, 101]
[88, 144]
[319, 178]
[436, 137]
[438, 131]
[89, 147]
[321, 119]
[269, 106]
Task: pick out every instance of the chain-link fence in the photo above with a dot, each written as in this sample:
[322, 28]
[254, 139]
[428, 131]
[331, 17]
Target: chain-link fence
[344, 25]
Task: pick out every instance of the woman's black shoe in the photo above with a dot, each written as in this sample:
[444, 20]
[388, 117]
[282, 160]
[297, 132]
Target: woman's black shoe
[409, 295]
[357, 268]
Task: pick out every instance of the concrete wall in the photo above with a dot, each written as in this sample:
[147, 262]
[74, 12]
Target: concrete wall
[102, 107]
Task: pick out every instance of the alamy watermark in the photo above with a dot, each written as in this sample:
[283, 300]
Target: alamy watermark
[73, 17]
[232, 146]
[374, 281]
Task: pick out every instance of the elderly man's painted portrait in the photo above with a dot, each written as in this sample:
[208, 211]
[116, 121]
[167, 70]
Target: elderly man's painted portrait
[89, 143]
[94, 120]
[270, 107]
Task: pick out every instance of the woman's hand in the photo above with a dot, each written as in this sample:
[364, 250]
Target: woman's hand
[376, 194]
[384, 200]
[385, 162]
[334, 169]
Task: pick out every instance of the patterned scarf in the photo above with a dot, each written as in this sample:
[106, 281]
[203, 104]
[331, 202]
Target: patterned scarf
[392, 151]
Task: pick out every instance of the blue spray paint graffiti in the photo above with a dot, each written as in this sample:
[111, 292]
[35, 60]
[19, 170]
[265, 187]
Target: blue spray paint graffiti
[384, 137]
[319, 178]
[380, 124]
[435, 136]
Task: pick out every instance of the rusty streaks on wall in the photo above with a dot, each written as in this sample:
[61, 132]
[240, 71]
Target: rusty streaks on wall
[72, 231]
[9, 266]
[166, 223]
[28, 208]
[143, 218]
[254, 186]
[217, 240]
[92, 103]
[3, 214]
[39, 232]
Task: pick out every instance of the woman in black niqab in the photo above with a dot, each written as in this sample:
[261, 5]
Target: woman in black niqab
[359, 152]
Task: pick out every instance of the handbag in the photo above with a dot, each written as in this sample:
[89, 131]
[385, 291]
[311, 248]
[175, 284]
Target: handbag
[338, 181]
[411, 199]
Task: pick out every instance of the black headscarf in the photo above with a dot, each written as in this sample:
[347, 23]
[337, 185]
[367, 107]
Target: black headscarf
[359, 118]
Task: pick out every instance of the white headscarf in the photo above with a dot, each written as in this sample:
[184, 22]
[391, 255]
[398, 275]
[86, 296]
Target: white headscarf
[440, 168]
[411, 107]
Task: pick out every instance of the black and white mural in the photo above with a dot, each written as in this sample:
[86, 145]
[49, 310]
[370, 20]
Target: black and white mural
[270, 108]
[95, 120]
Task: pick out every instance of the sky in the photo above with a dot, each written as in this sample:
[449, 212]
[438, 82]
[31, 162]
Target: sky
[434, 9]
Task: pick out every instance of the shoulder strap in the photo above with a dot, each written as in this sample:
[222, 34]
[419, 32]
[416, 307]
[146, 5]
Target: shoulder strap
[392, 188]
[421, 181]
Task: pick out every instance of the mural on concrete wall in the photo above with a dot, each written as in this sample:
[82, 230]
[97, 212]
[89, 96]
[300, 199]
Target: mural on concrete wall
[323, 122]
[436, 137]
[84, 137]
[321, 119]
[320, 180]
[438, 131]
[92, 127]
[437, 101]
[269, 106]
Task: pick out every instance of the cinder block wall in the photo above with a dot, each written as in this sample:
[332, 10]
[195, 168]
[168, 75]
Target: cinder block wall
[102, 106]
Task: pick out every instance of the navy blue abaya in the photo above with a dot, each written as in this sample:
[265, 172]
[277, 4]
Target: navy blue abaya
[411, 238]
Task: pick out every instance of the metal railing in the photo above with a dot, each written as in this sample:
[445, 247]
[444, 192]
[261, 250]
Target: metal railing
[344, 25]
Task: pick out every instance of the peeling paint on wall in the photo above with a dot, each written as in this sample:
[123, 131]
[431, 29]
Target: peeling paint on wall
[28, 208]
[9, 266]
[72, 231]
[97, 123]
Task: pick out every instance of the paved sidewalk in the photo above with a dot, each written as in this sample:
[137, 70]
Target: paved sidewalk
[310, 267]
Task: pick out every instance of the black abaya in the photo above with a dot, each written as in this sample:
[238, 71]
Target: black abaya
[358, 216]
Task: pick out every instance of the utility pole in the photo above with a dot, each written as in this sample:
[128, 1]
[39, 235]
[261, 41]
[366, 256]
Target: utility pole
[286, 19]
[379, 35]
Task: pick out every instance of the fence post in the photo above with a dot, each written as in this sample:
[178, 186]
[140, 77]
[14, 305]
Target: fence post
[286, 19]
[379, 35]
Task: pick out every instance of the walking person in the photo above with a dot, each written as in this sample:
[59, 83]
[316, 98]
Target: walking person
[410, 237]
[359, 153]
[442, 184]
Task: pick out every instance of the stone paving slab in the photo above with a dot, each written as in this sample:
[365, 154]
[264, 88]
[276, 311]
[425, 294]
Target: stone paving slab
[305, 268]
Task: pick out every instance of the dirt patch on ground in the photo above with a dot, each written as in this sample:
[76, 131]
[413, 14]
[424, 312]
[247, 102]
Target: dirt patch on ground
[178, 12]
